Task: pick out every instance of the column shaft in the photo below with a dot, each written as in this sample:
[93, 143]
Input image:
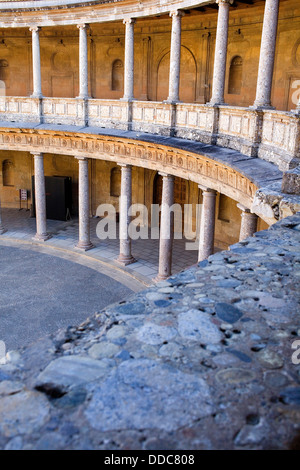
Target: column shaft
[267, 55]
[125, 257]
[248, 223]
[36, 63]
[83, 61]
[40, 199]
[207, 225]
[166, 229]
[175, 54]
[129, 60]
[2, 230]
[218, 88]
[84, 242]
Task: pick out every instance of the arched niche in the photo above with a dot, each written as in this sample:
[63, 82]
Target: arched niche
[8, 173]
[117, 76]
[115, 182]
[188, 74]
[235, 76]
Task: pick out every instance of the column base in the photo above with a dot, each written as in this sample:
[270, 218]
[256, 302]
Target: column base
[125, 260]
[84, 246]
[261, 107]
[2, 230]
[36, 96]
[42, 238]
[161, 277]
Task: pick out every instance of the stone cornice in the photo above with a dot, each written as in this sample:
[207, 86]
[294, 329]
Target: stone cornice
[178, 162]
[71, 13]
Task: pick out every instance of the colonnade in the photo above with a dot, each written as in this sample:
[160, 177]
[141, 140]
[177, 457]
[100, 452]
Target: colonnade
[265, 70]
[207, 224]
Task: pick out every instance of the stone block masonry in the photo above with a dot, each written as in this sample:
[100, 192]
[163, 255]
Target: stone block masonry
[206, 359]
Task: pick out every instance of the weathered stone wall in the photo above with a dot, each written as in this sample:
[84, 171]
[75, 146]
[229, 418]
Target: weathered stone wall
[205, 360]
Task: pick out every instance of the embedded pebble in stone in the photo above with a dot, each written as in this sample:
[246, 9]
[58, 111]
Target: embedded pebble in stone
[171, 350]
[133, 308]
[72, 371]
[252, 435]
[240, 355]
[269, 359]
[153, 389]
[228, 313]
[23, 413]
[291, 396]
[235, 376]
[167, 290]
[155, 334]
[104, 349]
[116, 332]
[162, 303]
[197, 326]
[229, 283]
[276, 379]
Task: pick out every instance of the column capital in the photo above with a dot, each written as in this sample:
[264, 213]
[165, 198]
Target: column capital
[37, 154]
[124, 165]
[225, 1]
[243, 208]
[166, 175]
[83, 26]
[80, 158]
[35, 29]
[129, 21]
[179, 13]
[206, 189]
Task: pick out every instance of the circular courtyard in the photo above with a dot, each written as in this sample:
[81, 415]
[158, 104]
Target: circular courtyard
[41, 293]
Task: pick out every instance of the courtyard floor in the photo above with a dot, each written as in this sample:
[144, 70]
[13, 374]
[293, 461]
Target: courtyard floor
[21, 227]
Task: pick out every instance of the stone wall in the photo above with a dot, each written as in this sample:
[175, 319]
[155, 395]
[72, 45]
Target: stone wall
[205, 360]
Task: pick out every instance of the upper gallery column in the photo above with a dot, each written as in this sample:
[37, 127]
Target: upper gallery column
[267, 55]
[207, 226]
[174, 76]
[36, 63]
[129, 59]
[125, 257]
[83, 61]
[218, 88]
[40, 198]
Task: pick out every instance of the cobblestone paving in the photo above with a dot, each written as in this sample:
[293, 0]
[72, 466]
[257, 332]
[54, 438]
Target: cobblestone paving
[203, 360]
[20, 226]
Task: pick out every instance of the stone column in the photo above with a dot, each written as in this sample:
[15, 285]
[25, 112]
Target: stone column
[129, 59]
[166, 229]
[36, 63]
[174, 76]
[2, 229]
[207, 225]
[267, 55]
[125, 257]
[84, 242]
[40, 199]
[218, 88]
[83, 61]
[248, 223]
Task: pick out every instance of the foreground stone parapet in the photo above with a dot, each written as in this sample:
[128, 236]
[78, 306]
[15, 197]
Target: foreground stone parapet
[291, 181]
[207, 359]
